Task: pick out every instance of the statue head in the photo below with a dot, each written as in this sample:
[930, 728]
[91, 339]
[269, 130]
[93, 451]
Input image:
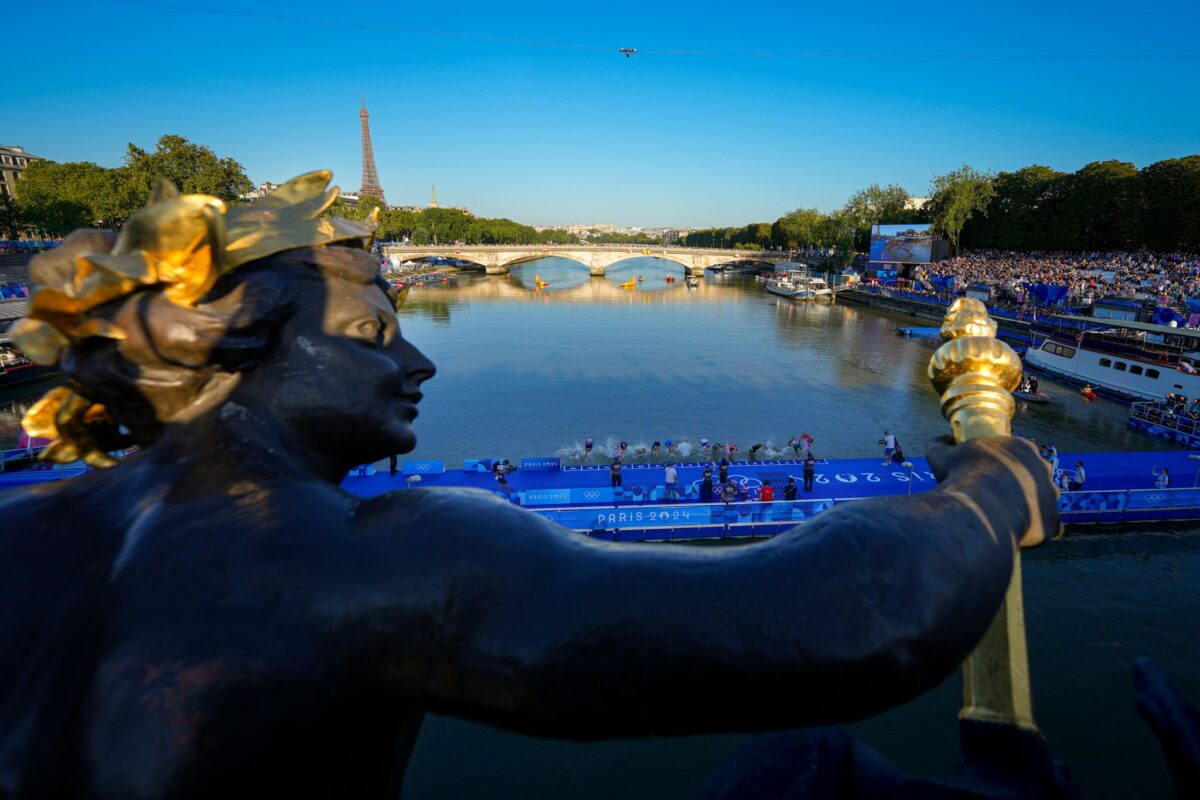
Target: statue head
[267, 310]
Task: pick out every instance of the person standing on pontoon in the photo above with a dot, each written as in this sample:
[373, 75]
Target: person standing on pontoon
[1162, 478]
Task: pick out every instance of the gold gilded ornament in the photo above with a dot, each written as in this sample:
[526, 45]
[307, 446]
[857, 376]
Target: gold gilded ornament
[975, 374]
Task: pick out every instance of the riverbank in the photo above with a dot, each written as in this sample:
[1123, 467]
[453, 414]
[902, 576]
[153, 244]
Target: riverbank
[922, 309]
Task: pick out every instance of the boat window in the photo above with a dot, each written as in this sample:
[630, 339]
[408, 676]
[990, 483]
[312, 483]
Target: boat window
[1119, 366]
[1151, 373]
[1106, 362]
[1058, 350]
[1135, 370]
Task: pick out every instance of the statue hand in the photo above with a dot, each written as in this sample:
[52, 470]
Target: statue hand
[1008, 478]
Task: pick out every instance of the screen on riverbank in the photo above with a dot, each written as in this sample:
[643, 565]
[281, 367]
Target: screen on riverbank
[902, 244]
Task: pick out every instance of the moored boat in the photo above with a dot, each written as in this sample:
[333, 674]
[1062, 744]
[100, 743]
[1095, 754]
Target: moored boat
[1125, 360]
[800, 284]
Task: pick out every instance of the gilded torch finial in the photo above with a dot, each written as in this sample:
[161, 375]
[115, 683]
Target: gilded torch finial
[975, 373]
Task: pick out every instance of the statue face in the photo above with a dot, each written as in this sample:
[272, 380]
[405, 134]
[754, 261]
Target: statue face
[344, 380]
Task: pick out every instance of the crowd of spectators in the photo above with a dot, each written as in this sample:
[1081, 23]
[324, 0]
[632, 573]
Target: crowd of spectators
[1087, 276]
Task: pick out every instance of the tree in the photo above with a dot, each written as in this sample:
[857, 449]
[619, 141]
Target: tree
[193, 168]
[1170, 194]
[1022, 212]
[11, 220]
[1094, 204]
[873, 205]
[62, 197]
[803, 227]
[367, 204]
[957, 196]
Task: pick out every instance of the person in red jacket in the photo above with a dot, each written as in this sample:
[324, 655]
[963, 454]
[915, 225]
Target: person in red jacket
[766, 493]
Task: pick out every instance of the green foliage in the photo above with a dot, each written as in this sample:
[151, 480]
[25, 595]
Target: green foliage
[1170, 195]
[10, 218]
[1106, 205]
[804, 227]
[62, 197]
[956, 197]
[755, 236]
[1017, 214]
[448, 225]
[193, 168]
[624, 238]
[871, 206]
[366, 204]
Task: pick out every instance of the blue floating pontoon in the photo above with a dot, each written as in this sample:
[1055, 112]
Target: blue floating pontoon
[1120, 488]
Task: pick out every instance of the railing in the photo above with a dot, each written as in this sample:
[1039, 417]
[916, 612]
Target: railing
[1161, 414]
[686, 520]
[632, 248]
[679, 520]
[1129, 505]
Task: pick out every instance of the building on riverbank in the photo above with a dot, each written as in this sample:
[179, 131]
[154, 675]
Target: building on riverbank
[13, 161]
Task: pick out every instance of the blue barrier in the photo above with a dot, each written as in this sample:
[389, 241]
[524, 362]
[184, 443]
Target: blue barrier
[423, 467]
[717, 520]
[686, 515]
[540, 464]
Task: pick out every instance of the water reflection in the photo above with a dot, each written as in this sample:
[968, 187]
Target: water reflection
[534, 372]
[13, 405]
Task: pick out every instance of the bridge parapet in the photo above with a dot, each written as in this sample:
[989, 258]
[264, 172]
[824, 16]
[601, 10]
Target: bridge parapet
[497, 259]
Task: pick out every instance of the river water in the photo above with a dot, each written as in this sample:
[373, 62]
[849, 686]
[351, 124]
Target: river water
[526, 372]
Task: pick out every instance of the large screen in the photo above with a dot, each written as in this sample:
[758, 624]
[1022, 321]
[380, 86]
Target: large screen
[902, 244]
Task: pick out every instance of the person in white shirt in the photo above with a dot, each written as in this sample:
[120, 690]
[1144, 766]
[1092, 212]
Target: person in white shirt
[671, 483]
[1079, 479]
[889, 446]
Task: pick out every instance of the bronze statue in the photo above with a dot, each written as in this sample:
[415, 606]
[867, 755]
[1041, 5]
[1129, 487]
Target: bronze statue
[216, 617]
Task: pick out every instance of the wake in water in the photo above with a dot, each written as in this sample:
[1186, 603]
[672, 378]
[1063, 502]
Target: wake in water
[696, 448]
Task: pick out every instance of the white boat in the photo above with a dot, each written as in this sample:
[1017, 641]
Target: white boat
[1126, 360]
[800, 284]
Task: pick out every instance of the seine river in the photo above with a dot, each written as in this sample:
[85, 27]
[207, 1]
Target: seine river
[527, 372]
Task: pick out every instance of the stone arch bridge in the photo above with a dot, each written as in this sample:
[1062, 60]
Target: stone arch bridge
[497, 259]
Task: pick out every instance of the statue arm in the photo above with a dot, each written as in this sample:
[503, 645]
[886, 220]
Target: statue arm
[503, 617]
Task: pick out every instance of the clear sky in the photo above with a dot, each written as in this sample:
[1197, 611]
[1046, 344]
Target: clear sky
[729, 113]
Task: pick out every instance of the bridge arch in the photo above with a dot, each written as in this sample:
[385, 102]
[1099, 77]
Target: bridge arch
[531, 257]
[629, 257]
[433, 258]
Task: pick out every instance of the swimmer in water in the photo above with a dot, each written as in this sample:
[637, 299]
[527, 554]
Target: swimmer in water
[621, 449]
[587, 449]
[655, 449]
[671, 448]
[754, 448]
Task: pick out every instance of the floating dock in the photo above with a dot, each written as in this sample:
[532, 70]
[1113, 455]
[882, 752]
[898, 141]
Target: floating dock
[1120, 489]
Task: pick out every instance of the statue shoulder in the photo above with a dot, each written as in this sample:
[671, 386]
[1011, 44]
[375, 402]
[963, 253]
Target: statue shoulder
[442, 507]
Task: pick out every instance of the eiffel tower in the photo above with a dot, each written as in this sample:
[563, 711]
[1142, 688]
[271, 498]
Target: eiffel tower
[370, 180]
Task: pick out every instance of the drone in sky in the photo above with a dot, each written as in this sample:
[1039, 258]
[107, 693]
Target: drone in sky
[628, 51]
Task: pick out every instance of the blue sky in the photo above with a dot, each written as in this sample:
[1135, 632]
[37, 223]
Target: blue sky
[730, 112]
